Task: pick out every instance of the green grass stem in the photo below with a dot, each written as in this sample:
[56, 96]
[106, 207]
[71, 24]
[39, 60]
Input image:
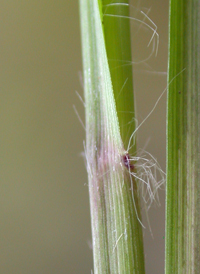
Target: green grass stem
[183, 131]
[115, 215]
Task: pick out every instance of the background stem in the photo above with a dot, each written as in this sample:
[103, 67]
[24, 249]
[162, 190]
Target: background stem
[183, 188]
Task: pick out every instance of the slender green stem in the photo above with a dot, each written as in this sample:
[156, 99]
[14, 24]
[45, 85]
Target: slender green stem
[118, 47]
[116, 23]
[116, 228]
[183, 163]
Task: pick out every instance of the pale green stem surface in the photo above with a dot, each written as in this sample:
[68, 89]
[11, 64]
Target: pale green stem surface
[183, 163]
[116, 231]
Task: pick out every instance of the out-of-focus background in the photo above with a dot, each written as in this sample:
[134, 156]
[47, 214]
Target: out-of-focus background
[44, 204]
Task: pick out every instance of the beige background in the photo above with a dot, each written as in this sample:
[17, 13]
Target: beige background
[44, 206]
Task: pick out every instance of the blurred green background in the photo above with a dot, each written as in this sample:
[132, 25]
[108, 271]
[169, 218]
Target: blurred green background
[44, 204]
